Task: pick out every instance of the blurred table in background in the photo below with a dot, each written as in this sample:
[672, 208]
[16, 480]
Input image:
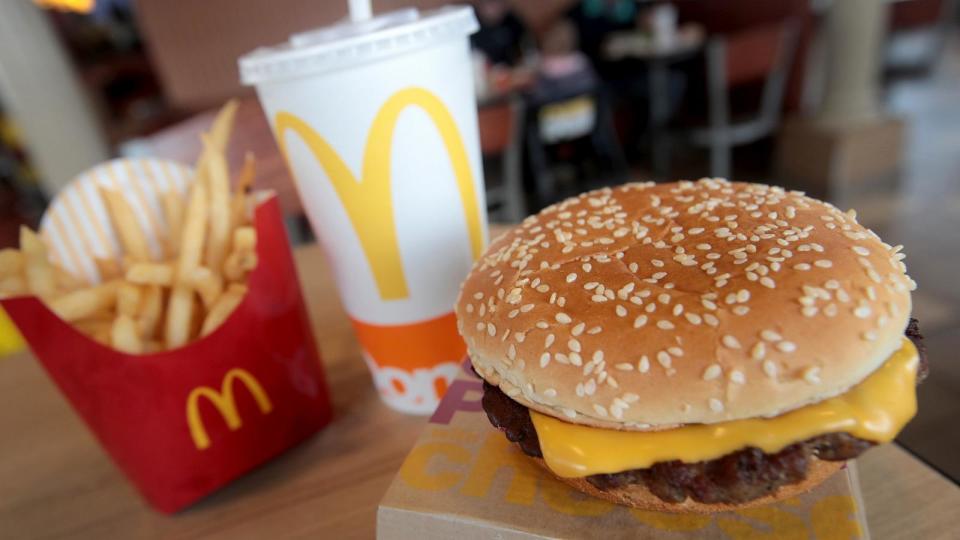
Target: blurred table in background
[657, 58]
[57, 482]
[181, 142]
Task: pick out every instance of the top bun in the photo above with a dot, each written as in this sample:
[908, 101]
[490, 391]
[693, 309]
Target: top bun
[651, 305]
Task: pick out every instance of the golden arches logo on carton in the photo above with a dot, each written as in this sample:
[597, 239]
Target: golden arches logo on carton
[368, 202]
[225, 403]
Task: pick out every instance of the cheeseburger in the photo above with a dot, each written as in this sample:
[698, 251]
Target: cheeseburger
[693, 346]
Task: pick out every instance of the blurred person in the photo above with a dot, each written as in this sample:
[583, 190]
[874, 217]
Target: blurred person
[563, 70]
[594, 20]
[503, 36]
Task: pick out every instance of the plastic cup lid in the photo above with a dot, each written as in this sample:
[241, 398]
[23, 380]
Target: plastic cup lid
[350, 43]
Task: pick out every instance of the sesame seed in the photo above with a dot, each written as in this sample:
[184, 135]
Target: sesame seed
[860, 250]
[743, 295]
[575, 359]
[571, 277]
[716, 405]
[574, 345]
[550, 392]
[823, 263]
[862, 311]
[758, 351]
[712, 372]
[869, 335]
[730, 342]
[544, 359]
[736, 376]
[519, 336]
[549, 340]
[640, 321]
[664, 298]
[599, 409]
[770, 369]
[770, 335]
[663, 357]
[664, 324]
[643, 365]
[801, 266]
[512, 352]
[621, 311]
[768, 282]
[693, 318]
[595, 330]
[741, 310]
[812, 375]
[677, 310]
[710, 319]
[786, 346]
[624, 366]
[563, 318]
[809, 311]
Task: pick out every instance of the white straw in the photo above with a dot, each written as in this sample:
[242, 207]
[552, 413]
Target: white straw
[360, 10]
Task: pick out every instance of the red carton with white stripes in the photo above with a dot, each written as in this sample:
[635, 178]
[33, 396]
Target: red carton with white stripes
[184, 422]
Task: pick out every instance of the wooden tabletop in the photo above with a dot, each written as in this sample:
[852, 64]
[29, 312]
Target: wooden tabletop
[56, 482]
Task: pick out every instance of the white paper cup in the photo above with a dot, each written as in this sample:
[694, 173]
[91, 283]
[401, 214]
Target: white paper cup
[378, 124]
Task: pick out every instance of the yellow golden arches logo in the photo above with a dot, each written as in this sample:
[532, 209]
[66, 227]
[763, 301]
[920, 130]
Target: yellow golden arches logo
[225, 403]
[368, 202]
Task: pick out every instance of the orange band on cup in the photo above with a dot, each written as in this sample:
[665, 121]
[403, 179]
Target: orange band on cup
[423, 344]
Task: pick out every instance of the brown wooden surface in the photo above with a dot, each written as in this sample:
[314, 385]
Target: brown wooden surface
[181, 142]
[56, 482]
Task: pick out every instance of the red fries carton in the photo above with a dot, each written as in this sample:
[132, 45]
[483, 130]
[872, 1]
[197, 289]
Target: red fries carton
[185, 422]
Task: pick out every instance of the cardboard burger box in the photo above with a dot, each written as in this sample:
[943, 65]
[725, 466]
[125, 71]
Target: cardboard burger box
[464, 480]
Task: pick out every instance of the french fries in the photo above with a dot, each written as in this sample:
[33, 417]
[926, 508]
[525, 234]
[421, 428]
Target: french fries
[40, 276]
[125, 223]
[143, 304]
[151, 273]
[124, 335]
[173, 213]
[223, 308]
[128, 299]
[83, 303]
[218, 187]
[208, 285]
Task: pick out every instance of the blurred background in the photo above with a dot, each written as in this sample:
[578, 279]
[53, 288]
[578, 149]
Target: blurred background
[855, 101]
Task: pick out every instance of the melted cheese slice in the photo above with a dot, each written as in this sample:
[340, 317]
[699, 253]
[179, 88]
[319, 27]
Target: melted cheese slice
[874, 410]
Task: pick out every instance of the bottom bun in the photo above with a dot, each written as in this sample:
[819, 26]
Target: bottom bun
[638, 496]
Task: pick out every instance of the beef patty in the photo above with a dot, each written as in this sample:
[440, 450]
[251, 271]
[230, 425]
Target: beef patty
[734, 478]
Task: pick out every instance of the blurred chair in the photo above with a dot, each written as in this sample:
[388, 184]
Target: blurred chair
[917, 32]
[501, 143]
[763, 53]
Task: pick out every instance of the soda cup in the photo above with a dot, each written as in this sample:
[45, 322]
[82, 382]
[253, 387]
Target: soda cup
[377, 120]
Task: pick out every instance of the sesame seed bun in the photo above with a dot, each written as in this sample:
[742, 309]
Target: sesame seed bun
[638, 496]
[650, 305]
